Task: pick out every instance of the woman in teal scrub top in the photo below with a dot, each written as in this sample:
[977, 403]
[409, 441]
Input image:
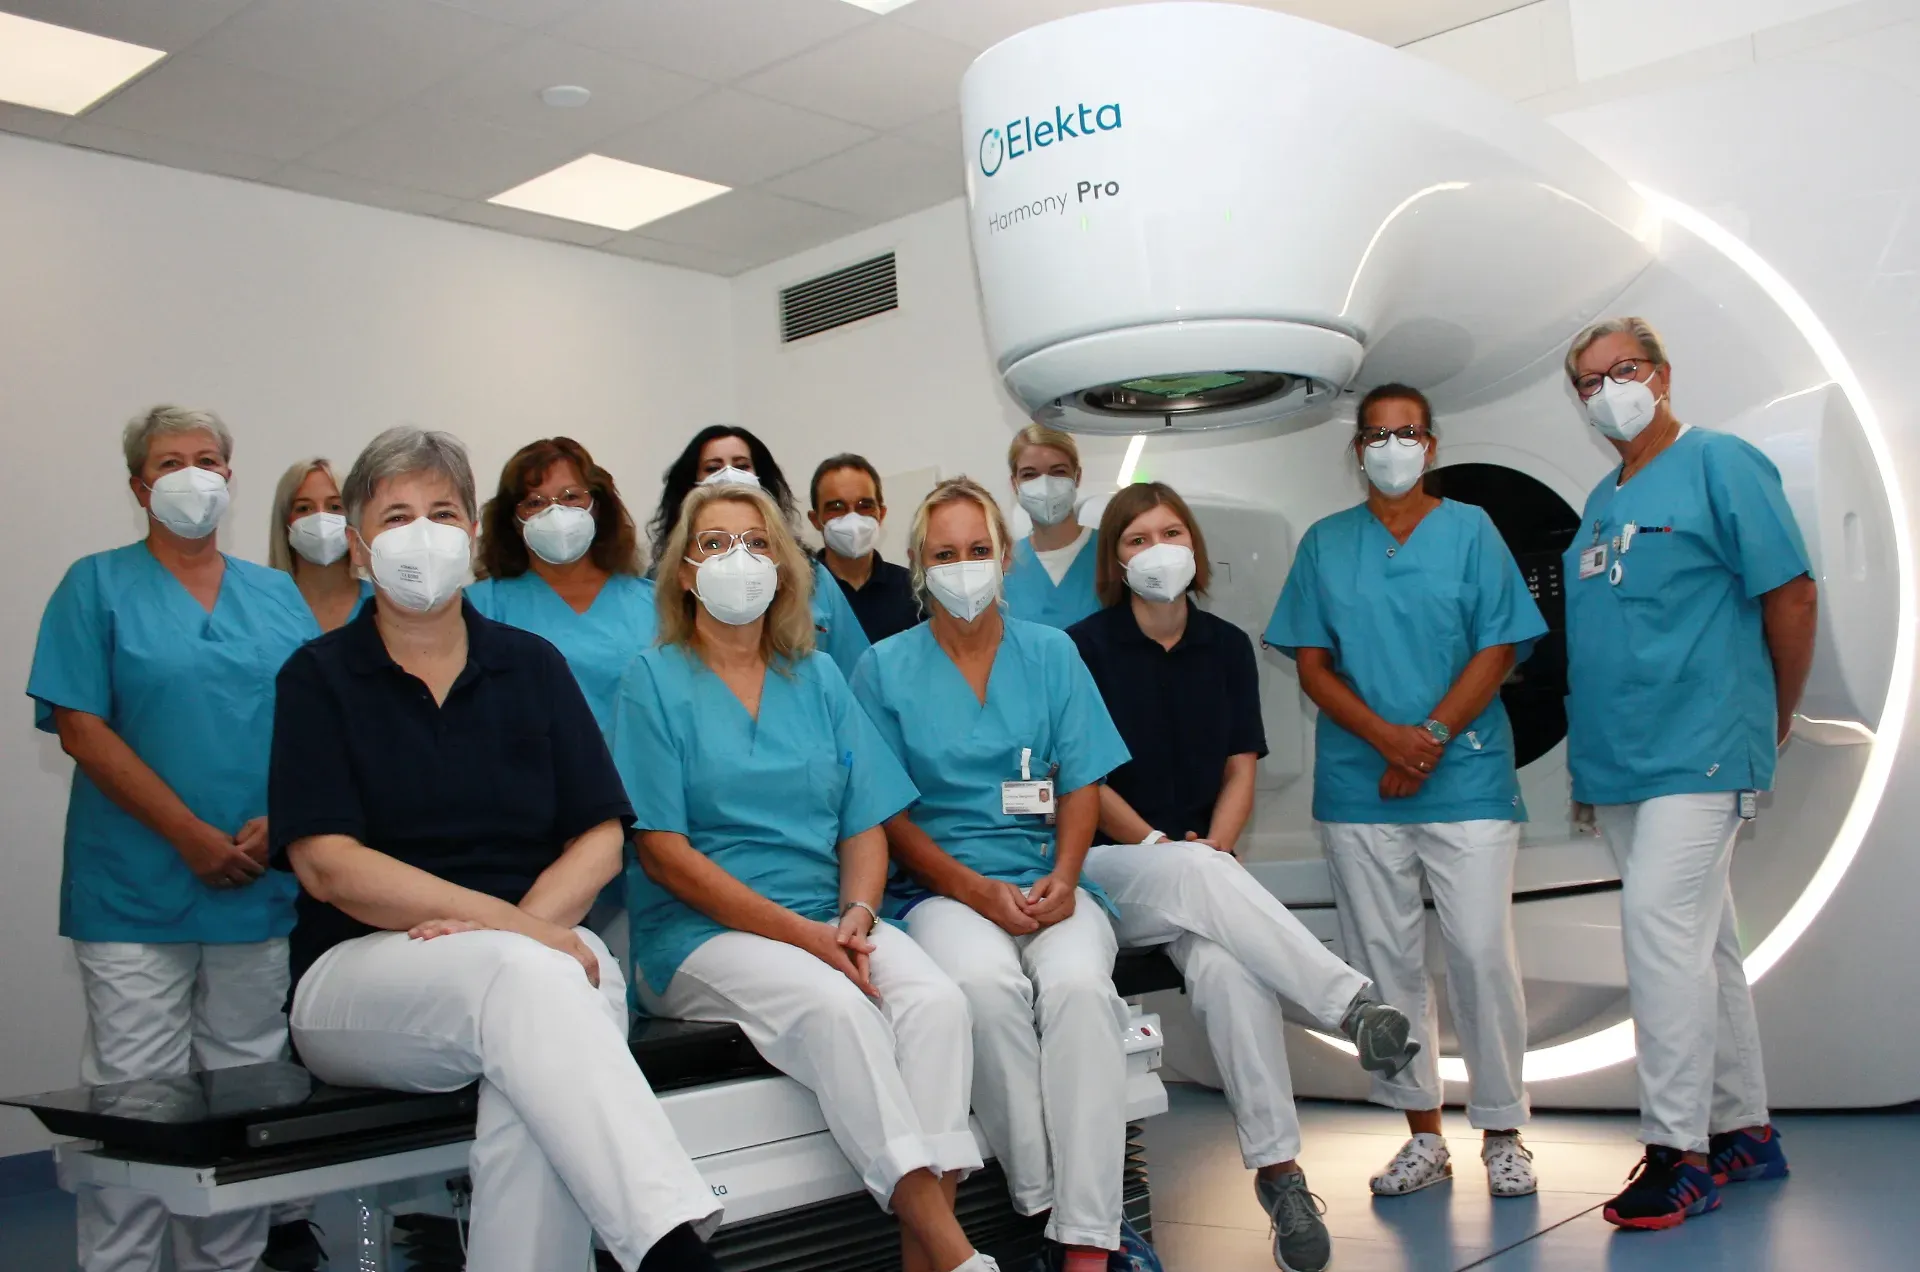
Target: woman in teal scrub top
[1405, 614]
[1690, 627]
[722, 454]
[307, 538]
[1051, 577]
[759, 789]
[1003, 730]
[155, 667]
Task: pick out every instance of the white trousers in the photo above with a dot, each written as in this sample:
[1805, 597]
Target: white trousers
[162, 1011]
[1694, 1030]
[1468, 868]
[1241, 951]
[570, 1139]
[1050, 1065]
[893, 1078]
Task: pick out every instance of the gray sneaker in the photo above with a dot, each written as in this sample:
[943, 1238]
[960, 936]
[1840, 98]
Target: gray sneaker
[1381, 1032]
[1300, 1239]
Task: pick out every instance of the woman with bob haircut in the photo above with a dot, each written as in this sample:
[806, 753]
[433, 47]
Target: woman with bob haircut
[307, 538]
[759, 789]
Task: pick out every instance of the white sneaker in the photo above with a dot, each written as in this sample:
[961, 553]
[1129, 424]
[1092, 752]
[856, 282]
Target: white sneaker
[1422, 1162]
[1509, 1166]
[978, 1263]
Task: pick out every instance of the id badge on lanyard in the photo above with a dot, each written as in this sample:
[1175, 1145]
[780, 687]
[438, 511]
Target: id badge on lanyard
[1028, 797]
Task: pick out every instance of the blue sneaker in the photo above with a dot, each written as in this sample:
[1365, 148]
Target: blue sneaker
[1664, 1191]
[1134, 1254]
[1740, 1157]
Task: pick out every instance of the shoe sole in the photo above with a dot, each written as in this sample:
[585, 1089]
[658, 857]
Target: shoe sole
[1446, 1176]
[1660, 1223]
[1752, 1174]
[1284, 1266]
[1525, 1192]
[1387, 1061]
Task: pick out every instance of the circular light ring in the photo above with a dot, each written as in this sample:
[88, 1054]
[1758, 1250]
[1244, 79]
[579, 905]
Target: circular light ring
[1614, 1044]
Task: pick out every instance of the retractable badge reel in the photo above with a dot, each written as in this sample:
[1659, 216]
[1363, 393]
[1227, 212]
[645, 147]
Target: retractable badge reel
[1029, 797]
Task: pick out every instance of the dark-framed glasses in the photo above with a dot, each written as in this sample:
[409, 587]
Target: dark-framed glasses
[1624, 371]
[1379, 436]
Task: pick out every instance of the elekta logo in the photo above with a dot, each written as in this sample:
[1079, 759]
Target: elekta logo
[1023, 136]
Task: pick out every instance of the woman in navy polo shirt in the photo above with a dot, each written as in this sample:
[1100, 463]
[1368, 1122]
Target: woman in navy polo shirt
[440, 788]
[1184, 691]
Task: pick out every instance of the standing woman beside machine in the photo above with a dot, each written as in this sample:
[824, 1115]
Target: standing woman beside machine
[759, 789]
[307, 538]
[1003, 732]
[1184, 691]
[723, 454]
[155, 667]
[1051, 578]
[1690, 626]
[1405, 614]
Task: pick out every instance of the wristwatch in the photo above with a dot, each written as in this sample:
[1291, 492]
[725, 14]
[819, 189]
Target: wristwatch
[1441, 733]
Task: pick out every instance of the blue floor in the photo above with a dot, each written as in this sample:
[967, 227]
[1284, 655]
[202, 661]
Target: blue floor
[1851, 1204]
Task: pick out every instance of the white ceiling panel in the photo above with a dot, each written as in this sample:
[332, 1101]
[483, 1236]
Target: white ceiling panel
[531, 224]
[193, 99]
[981, 24]
[166, 150]
[332, 185]
[882, 179]
[679, 254]
[883, 76]
[1395, 22]
[504, 88]
[719, 40]
[153, 24]
[755, 226]
[734, 139]
[937, 132]
[443, 154]
[1519, 55]
[384, 48]
[522, 13]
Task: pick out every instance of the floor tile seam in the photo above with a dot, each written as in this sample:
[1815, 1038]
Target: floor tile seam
[1490, 1257]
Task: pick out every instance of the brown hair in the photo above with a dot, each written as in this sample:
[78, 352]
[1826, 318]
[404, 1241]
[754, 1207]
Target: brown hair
[833, 464]
[1109, 576]
[503, 552]
[1393, 393]
[786, 633]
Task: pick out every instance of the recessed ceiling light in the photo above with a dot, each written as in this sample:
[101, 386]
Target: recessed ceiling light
[612, 193]
[880, 6]
[65, 71]
[566, 96]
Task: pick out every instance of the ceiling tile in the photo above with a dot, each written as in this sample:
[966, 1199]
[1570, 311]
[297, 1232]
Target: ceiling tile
[522, 13]
[171, 25]
[718, 40]
[734, 139]
[981, 24]
[444, 154]
[755, 225]
[1394, 22]
[175, 154]
[883, 76]
[700, 258]
[32, 123]
[883, 179]
[385, 48]
[332, 185]
[531, 224]
[232, 107]
[1507, 54]
[937, 132]
[505, 89]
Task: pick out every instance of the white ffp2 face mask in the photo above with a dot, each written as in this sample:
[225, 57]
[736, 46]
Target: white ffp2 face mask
[319, 537]
[965, 588]
[1394, 467]
[737, 586]
[1623, 411]
[1048, 500]
[731, 476]
[852, 535]
[423, 564]
[1161, 572]
[189, 501]
[559, 535]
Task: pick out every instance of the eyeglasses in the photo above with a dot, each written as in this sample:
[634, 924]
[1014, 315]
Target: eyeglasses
[714, 542]
[1625, 371]
[572, 497]
[1379, 436]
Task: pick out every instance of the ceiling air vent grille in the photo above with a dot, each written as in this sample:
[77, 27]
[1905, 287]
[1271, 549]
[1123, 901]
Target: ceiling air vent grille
[836, 299]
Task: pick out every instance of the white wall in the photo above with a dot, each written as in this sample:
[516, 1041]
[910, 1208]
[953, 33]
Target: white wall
[310, 325]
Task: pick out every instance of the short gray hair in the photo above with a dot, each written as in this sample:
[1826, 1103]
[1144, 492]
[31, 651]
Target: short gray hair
[402, 452]
[166, 421]
[1639, 328]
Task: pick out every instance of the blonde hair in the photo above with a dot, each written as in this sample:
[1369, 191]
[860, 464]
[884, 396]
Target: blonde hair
[786, 633]
[953, 490]
[1042, 435]
[279, 551]
[1639, 328]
